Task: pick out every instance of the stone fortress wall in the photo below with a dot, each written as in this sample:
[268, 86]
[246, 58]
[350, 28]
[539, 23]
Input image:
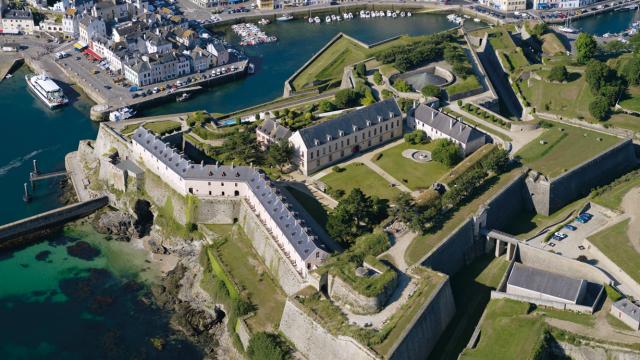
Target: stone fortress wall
[344, 295]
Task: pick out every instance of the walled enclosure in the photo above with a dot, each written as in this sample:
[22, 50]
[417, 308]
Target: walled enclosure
[551, 195]
[343, 294]
[415, 342]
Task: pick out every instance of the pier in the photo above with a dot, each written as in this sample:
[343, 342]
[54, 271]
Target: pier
[35, 176]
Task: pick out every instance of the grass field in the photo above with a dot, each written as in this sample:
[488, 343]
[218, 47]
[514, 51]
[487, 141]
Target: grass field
[501, 40]
[632, 99]
[569, 100]
[508, 332]
[552, 45]
[310, 204]
[472, 287]
[562, 150]
[330, 64]
[614, 243]
[514, 59]
[414, 175]
[463, 85]
[612, 198]
[162, 127]
[625, 121]
[250, 275]
[567, 315]
[617, 323]
[358, 175]
[423, 244]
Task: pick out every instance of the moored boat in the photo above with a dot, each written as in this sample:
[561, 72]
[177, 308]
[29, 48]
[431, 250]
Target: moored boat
[284, 17]
[183, 97]
[47, 90]
[121, 114]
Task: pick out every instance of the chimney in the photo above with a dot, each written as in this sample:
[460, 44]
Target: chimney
[433, 115]
[217, 164]
[379, 118]
[202, 164]
[450, 123]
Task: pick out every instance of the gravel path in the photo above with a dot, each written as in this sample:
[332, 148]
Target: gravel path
[631, 207]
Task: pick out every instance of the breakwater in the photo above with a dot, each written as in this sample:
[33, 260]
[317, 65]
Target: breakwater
[35, 227]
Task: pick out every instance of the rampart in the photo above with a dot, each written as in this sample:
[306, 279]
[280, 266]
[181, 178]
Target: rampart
[551, 195]
[343, 294]
[32, 228]
[454, 251]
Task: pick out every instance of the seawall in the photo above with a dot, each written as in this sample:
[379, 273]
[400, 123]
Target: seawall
[33, 228]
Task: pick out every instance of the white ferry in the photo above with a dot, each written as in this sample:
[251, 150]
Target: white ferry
[47, 90]
[121, 114]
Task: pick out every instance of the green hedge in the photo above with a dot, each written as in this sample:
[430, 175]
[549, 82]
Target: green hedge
[222, 275]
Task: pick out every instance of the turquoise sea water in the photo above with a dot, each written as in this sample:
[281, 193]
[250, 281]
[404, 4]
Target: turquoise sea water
[63, 307]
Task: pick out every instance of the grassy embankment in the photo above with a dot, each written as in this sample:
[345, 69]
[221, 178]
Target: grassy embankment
[615, 244]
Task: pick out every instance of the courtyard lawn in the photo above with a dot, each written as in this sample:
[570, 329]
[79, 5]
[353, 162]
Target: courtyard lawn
[358, 175]
[569, 100]
[463, 85]
[632, 99]
[472, 287]
[614, 243]
[514, 59]
[551, 44]
[563, 150]
[329, 65]
[409, 172]
[423, 244]
[251, 277]
[162, 127]
[507, 331]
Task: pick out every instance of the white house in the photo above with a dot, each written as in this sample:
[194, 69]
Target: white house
[71, 25]
[438, 125]
[296, 240]
[18, 21]
[318, 146]
[90, 27]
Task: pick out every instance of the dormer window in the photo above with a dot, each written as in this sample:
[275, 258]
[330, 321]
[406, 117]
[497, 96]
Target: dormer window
[368, 122]
[340, 133]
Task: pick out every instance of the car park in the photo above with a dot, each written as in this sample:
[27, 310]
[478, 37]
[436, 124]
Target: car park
[559, 235]
[570, 227]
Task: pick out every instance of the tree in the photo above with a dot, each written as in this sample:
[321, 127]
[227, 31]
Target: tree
[266, 346]
[599, 108]
[431, 91]
[446, 152]
[377, 78]
[538, 29]
[496, 161]
[597, 74]
[326, 106]
[402, 86]
[558, 73]
[355, 215]
[361, 70]
[347, 98]
[279, 153]
[241, 147]
[587, 48]
[616, 47]
[416, 137]
[611, 93]
[634, 42]
[631, 71]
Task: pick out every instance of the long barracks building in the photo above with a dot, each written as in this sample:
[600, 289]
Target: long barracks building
[292, 235]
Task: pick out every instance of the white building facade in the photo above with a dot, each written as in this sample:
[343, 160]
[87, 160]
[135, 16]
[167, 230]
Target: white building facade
[299, 245]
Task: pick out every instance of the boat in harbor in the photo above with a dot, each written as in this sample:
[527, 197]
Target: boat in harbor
[183, 97]
[251, 69]
[9, 76]
[567, 28]
[264, 22]
[47, 90]
[285, 17]
[121, 114]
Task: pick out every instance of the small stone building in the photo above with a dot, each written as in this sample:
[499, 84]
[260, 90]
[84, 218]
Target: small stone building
[270, 132]
[627, 312]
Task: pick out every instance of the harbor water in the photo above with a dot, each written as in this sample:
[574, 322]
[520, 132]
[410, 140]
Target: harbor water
[54, 304]
[612, 22]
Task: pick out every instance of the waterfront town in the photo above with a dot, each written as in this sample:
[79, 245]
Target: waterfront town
[312, 180]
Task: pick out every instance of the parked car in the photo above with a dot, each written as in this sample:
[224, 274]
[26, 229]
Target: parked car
[570, 227]
[560, 235]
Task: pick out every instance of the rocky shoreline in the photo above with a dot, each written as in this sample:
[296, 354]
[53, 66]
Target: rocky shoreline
[179, 294]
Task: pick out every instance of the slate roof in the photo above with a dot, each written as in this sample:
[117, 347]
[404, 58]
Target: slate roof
[447, 125]
[274, 130]
[299, 235]
[545, 282]
[18, 14]
[629, 308]
[331, 129]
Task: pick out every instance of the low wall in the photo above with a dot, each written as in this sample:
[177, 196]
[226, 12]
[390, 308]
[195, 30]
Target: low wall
[344, 295]
[542, 302]
[32, 228]
[603, 261]
[551, 195]
[314, 341]
[541, 259]
[279, 268]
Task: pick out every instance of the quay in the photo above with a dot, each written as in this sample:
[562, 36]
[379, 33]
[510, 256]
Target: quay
[8, 63]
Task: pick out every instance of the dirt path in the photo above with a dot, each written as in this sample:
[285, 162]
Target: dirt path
[399, 248]
[631, 206]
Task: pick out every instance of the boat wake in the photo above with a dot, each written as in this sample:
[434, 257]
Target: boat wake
[17, 162]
